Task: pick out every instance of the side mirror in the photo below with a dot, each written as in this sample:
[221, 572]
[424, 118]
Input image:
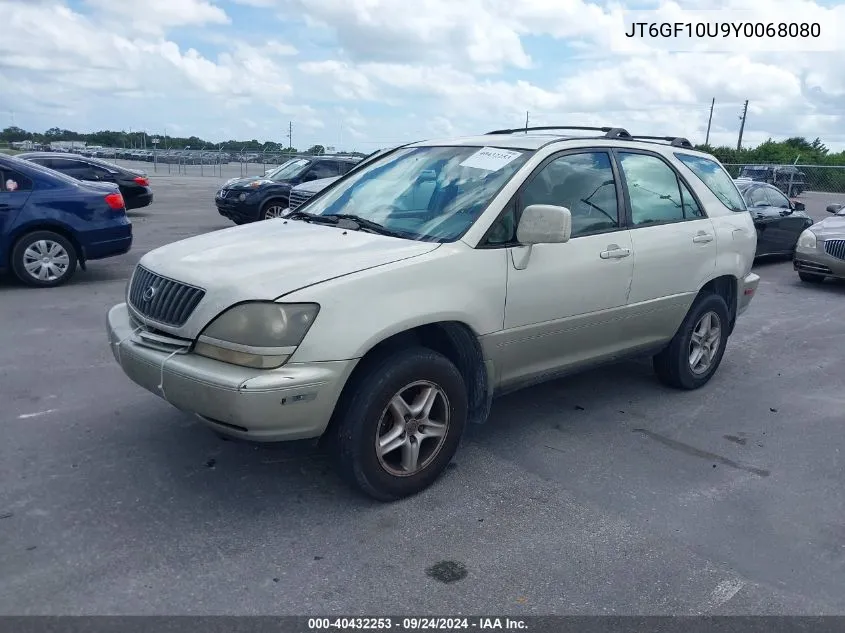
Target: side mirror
[544, 224]
[834, 208]
[798, 206]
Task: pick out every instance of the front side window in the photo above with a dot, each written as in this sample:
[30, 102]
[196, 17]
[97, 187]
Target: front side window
[290, 169]
[776, 198]
[323, 169]
[584, 184]
[653, 189]
[423, 193]
[756, 197]
[716, 179]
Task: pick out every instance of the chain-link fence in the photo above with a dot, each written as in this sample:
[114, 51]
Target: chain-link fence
[189, 161]
[793, 180]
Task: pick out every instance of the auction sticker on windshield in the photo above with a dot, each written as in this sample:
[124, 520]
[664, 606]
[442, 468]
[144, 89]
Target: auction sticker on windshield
[490, 158]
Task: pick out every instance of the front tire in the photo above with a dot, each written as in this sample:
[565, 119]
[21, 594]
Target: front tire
[44, 259]
[810, 278]
[695, 352]
[401, 424]
[273, 209]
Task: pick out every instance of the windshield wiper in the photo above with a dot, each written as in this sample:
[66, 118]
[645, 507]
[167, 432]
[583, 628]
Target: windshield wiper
[368, 225]
[310, 217]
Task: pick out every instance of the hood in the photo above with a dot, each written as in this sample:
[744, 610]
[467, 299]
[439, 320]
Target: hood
[315, 186]
[244, 183]
[266, 260]
[830, 228]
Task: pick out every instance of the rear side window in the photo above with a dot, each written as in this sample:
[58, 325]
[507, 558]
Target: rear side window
[717, 180]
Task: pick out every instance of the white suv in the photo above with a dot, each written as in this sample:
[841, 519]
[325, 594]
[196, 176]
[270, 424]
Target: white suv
[386, 313]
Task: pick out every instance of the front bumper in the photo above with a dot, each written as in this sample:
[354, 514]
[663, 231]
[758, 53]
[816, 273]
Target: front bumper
[236, 210]
[817, 262]
[747, 288]
[293, 402]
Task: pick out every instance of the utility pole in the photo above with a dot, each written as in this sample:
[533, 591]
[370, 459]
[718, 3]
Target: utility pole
[742, 126]
[526, 121]
[290, 136]
[709, 121]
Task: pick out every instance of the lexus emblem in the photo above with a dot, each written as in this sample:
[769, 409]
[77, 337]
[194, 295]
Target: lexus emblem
[149, 293]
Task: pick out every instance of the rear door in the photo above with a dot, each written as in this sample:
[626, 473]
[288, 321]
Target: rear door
[15, 189]
[674, 244]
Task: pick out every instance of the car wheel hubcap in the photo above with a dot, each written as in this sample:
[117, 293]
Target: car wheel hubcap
[46, 260]
[273, 212]
[705, 342]
[412, 428]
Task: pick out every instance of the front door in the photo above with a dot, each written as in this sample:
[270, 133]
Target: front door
[565, 305]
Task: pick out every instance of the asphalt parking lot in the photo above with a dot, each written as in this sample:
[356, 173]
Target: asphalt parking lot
[599, 494]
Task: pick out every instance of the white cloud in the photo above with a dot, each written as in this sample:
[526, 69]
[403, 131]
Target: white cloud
[156, 16]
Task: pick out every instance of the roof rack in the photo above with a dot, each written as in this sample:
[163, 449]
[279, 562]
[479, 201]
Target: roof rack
[674, 141]
[609, 132]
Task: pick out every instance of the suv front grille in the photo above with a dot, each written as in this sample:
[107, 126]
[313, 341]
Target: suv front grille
[835, 248]
[298, 198]
[161, 299]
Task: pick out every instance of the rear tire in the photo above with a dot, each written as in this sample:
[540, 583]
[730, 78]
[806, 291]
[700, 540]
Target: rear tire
[44, 259]
[695, 352]
[810, 278]
[374, 414]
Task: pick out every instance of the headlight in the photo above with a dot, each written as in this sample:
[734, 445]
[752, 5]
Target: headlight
[258, 183]
[242, 197]
[807, 239]
[260, 334]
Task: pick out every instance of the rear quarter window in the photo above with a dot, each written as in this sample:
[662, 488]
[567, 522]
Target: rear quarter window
[716, 179]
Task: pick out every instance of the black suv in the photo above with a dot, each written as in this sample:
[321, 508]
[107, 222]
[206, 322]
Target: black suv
[788, 178]
[245, 200]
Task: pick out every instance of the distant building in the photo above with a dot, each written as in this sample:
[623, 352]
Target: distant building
[67, 145]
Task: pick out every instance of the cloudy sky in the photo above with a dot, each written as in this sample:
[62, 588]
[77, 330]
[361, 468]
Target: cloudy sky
[361, 74]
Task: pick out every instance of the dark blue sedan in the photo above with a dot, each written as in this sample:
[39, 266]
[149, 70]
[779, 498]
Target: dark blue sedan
[50, 223]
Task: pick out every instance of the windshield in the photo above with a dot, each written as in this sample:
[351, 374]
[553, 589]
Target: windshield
[290, 169]
[423, 193]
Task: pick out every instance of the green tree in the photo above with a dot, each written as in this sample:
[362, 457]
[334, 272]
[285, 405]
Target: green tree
[316, 150]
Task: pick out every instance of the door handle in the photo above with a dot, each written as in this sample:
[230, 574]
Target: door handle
[702, 238]
[614, 252]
